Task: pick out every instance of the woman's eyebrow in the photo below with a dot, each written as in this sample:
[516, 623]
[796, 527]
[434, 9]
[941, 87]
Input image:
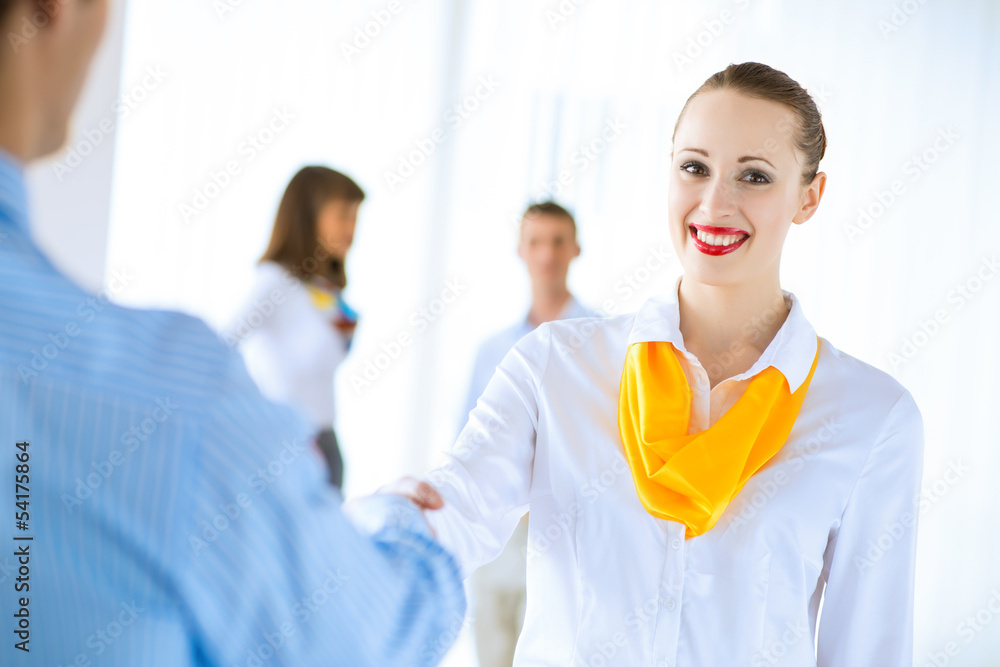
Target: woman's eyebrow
[745, 158]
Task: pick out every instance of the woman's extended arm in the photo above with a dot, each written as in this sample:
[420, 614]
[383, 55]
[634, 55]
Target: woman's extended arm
[485, 482]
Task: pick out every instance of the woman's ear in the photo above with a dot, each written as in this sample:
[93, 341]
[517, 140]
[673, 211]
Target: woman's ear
[811, 197]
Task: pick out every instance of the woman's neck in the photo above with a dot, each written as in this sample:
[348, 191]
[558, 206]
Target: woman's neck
[728, 327]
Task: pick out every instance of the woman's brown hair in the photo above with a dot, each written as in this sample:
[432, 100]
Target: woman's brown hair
[294, 244]
[766, 83]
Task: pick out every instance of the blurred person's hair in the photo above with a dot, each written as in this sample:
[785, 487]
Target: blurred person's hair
[549, 208]
[294, 241]
[766, 83]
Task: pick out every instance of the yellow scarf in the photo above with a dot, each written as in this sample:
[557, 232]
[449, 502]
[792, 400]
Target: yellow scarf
[692, 478]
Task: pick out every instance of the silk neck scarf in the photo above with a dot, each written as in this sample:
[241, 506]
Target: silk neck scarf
[327, 299]
[691, 478]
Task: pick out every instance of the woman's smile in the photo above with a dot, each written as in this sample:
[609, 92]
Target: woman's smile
[717, 240]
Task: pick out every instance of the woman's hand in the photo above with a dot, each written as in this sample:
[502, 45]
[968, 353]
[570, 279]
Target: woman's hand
[420, 493]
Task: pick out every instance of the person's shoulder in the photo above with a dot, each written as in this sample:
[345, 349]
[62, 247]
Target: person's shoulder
[270, 269]
[855, 372]
[588, 327]
[865, 384]
[58, 333]
[166, 353]
[170, 348]
[561, 341]
[268, 275]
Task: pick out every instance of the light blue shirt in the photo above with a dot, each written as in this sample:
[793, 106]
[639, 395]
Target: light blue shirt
[172, 515]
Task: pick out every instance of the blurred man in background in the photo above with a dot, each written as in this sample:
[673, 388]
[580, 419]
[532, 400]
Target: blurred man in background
[167, 513]
[547, 244]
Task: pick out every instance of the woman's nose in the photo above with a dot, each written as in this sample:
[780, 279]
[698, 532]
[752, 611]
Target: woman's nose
[718, 199]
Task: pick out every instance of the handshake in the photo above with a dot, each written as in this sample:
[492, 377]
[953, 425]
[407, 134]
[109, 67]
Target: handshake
[418, 492]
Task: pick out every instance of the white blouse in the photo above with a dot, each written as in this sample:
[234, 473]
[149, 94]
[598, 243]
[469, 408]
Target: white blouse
[830, 521]
[290, 348]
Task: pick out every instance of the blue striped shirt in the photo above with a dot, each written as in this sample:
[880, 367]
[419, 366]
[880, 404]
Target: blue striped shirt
[169, 514]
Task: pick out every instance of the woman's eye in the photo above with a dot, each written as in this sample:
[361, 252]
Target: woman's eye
[693, 167]
[752, 176]
[755, 176]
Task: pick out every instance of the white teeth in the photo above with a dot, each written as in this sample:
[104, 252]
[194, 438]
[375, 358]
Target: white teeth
[712, 239]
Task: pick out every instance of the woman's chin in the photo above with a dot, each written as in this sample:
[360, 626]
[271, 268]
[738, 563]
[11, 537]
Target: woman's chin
[703, 270]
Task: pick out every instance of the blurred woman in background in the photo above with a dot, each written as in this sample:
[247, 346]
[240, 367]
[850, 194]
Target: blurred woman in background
[295, 328]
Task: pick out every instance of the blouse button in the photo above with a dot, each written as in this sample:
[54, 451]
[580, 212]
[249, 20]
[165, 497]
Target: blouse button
[662, 662]
[675, 544]
[671, 604]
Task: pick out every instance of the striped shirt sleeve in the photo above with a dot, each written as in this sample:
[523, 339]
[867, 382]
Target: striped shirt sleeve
[275, 571]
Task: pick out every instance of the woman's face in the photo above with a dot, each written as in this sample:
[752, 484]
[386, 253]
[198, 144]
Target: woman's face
[734, 168]
[335, 226]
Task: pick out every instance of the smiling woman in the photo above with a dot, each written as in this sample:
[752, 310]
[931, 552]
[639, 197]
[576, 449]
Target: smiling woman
[744, 168]
[713, 398]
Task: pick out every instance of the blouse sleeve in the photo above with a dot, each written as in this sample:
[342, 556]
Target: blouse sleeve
[870, 561]
[485, 481]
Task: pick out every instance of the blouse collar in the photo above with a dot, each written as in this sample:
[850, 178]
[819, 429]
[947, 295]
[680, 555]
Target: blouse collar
[791, 351]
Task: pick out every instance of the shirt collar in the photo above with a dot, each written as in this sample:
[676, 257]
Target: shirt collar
[13, 193]
[791, 351]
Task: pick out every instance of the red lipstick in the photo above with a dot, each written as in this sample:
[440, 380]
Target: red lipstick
[718, 231]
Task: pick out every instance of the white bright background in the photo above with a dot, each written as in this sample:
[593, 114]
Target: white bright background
[888, 76]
